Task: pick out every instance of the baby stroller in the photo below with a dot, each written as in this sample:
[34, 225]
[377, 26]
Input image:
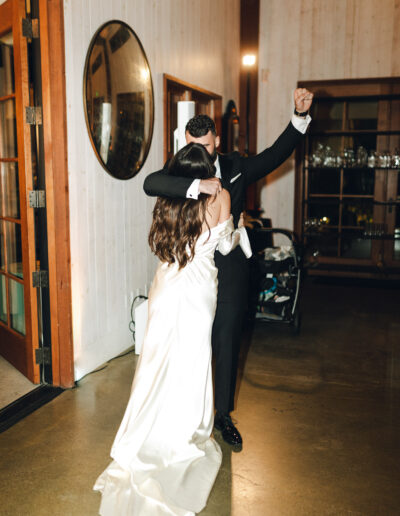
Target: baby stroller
[276, 277]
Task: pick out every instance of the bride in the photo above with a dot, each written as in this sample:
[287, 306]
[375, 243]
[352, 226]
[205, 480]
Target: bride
[165, 460]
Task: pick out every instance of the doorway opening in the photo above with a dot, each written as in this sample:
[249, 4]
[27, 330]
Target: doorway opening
[35, 296]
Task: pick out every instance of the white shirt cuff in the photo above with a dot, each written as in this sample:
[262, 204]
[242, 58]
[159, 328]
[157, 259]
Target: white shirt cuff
[193, 190]
[300, 123]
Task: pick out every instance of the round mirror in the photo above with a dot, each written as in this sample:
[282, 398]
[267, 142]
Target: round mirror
[118, 97]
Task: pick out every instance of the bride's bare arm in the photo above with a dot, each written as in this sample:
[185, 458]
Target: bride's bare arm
[236, 236]
[225, 210]
[218, 209]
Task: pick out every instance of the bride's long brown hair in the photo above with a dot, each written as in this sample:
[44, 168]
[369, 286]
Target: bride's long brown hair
[178, 223]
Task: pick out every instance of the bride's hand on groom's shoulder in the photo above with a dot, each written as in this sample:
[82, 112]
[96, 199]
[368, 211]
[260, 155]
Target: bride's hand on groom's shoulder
[211, 186]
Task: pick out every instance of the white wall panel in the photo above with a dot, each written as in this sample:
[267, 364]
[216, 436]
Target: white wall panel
[195, 41]
[316, 40]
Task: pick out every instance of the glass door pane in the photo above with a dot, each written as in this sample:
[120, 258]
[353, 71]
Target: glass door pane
[358, 181]
[324, 181]
[8, 129]
[326, 210]
[12, 307]
[17, 306]
[327, 115]
[355, 245]
[3, 299]
[14, 249]
[362, 115]
[396, 233]
[396, 250]
[2, 248]
[7, 82]
[9, 190]
[392, 246]
[357, 212]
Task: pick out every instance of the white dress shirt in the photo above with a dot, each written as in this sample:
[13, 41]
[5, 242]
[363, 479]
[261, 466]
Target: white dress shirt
[298, 122]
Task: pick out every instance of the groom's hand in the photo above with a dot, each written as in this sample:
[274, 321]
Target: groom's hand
[302, 99]
[210, 186]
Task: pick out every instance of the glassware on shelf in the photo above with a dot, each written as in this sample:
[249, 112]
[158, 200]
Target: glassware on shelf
[345, 157]
[362, 157]
[325, 157]
[312, 224]
[396, 159]
[317, 156]
[384, 159]
[339, 161]
[375, 230]
[316, 224]
[388, 158]
[349, 158]
[329, 158]
[372, 159]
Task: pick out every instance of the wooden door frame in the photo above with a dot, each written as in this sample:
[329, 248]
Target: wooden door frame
[248, 91]
[188, 90]
[12, 13]
[51, 18]
[56, 171]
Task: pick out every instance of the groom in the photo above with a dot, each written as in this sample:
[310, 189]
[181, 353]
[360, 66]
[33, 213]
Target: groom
[235, 173]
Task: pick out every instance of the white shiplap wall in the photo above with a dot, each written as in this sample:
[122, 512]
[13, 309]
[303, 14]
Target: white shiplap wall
[316, 40]
[195, 41]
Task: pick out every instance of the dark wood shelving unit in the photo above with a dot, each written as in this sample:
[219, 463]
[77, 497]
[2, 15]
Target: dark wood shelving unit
[348, 217]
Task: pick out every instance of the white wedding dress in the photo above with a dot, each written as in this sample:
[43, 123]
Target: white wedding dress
[164, 458]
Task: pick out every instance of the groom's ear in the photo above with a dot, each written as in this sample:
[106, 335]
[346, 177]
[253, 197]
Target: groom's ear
[217, 141]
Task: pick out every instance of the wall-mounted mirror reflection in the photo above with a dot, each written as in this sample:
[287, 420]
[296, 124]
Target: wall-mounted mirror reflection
[118, 97]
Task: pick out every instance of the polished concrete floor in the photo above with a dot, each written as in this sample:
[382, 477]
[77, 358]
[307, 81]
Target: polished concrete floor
[13, 384]
[319, 414]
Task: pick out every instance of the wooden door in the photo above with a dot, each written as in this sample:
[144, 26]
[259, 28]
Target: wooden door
[18, 298]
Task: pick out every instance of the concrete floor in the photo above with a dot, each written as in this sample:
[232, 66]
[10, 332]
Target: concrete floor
[13, 384]
[319, 414]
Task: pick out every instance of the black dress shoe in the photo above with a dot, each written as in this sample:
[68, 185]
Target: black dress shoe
[230, 434]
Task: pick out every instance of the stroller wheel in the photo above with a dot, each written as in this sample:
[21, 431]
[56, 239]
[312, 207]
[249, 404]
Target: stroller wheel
[296, 323]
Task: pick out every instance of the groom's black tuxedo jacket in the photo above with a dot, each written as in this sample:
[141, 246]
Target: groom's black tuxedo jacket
[237, 173]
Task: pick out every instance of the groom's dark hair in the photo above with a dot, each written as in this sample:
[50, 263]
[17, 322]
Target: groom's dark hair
[199, 125]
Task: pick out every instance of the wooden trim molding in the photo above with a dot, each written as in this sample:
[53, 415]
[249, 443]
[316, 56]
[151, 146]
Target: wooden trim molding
[353, 87]
[6, 17]
[25, 184]
[57, 194]
[189, 86]
[248, 80]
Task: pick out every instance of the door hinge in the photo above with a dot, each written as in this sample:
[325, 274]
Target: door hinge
[33, 115]
[30, 28]
[40, 279]
[43, 356]
[37, 199]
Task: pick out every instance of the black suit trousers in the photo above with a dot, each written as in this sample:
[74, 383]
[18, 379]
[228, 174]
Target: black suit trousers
[233, 274]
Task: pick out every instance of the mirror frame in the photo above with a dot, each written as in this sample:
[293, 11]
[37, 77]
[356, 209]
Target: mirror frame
[151, 117]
